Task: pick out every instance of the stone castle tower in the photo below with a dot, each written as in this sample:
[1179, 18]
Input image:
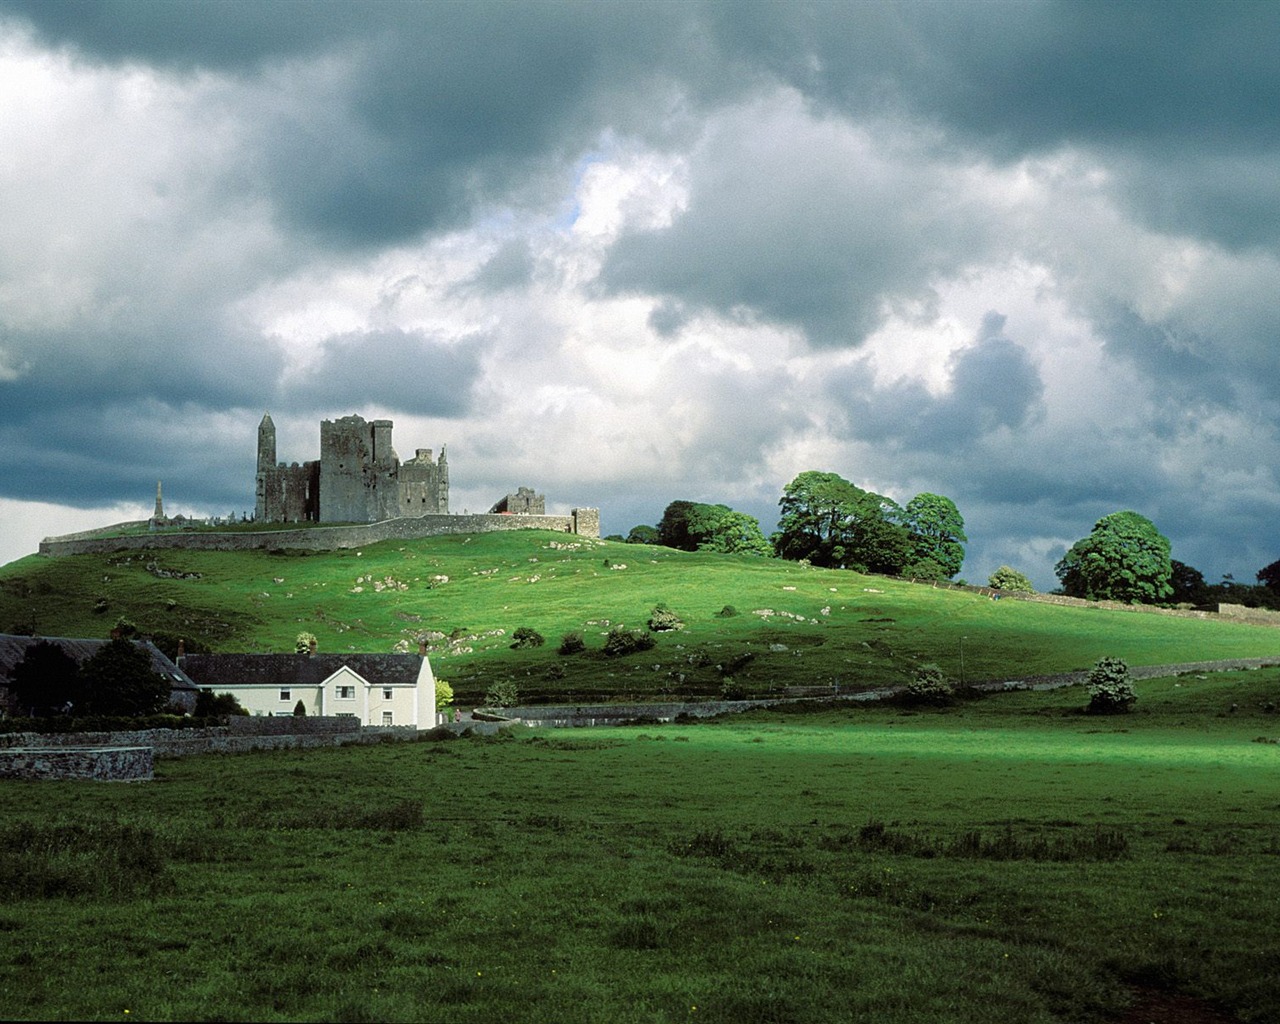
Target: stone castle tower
[357, 479]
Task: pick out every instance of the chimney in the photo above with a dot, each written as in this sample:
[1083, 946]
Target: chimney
[182, 648]
[311, 653]
[422, 648]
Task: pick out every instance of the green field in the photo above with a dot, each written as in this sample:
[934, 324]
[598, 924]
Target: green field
[795, 625]
[1008, 859]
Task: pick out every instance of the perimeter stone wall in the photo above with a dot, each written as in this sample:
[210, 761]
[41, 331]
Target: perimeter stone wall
[327, 538]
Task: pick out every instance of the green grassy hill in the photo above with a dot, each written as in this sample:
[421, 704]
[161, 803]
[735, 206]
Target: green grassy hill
[794, 625]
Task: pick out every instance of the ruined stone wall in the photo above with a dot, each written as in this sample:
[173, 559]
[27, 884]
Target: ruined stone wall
[288, 494]
[348, 475]
[585, 522]
[424, 487]
[525, 502]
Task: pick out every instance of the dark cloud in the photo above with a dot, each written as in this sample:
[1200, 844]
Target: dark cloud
[796, 221]
[405, 371]
[668, 317]
[115, 451]
[510, 267]
[994, 386]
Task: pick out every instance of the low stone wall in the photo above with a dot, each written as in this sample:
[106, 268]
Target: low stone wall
[292, 725]
[239, 736]
[584, 715]
[1257, 616]
[101, 764]
[325, 538]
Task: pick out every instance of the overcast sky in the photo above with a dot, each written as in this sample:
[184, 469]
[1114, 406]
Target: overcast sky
[1026, 255]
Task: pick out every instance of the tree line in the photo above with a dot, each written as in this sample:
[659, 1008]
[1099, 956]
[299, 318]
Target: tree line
[830, 522]
[827, 521]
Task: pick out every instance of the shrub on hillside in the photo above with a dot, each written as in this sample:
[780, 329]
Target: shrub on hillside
[1009, 579]
[622, 641]
[731, 689]
[928, 686]
[662, 620]
[727, 612]
[1110, 691]
[572, 643]
[524, 638]
[502, 694]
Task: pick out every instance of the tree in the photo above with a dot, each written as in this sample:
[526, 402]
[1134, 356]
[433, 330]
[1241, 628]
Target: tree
[1269, 576]
[1187, 583]
[937, 532]
[217, 705]
[47, 679]
[831, 522]
[673, 527]
[303, 642]
[696, 526]
[119, 680]
[1110, 691]
[1009, 579]
[1125, 558]
[444, 695]
[643, 534]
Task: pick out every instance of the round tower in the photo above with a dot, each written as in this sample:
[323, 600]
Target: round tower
[442, 492]
[266, 443]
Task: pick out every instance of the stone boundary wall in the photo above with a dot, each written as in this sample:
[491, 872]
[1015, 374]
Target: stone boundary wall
[100, 764]
[279, 733]
[290, 725]
[587, 715]
[1257, 616]
[324, 538]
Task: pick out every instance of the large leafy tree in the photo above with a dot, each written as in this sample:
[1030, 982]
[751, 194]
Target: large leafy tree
[119, 680]
[644, 534]
[695, 526]
[46, 680]
[1269, 576]
[832, 522]
[673, 527]
[937, 532]
[1125, 558]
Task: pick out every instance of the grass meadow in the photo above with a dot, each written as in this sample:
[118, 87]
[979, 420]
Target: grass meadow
[794, 625]
[1005, 859]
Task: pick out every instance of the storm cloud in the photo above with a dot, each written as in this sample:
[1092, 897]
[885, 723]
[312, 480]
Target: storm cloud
[1023, 254]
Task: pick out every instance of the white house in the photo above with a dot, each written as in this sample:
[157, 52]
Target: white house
[378, 689]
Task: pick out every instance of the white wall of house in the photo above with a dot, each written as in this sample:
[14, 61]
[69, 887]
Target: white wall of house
[273, 699]
[347, 693]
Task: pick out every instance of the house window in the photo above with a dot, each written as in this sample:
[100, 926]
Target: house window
[285, 695]
[386, 718]
[386, 693]
[346, 693]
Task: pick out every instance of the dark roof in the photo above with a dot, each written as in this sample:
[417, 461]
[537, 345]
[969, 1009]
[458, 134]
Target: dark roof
[299, 669]
[14, 648]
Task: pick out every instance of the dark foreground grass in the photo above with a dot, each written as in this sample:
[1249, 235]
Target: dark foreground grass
[1005, 860]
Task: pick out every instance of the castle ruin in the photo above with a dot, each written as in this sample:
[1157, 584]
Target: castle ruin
[357, 479]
